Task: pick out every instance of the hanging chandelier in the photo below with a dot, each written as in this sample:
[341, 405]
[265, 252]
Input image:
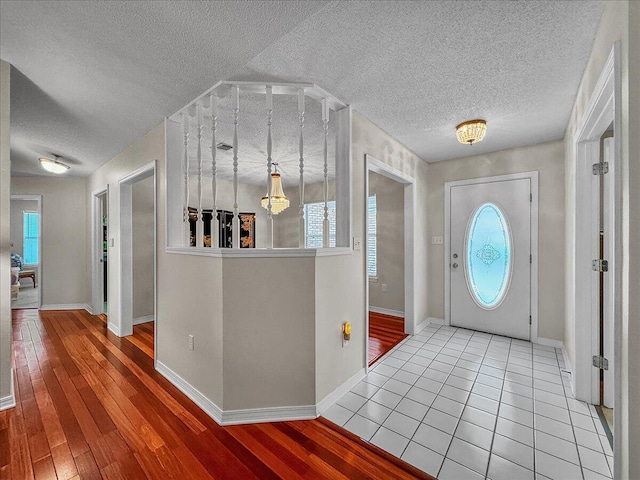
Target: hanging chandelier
[471, 132]
[279, 200]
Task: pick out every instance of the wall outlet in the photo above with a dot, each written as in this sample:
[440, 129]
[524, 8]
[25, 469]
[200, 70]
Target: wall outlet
[437, 240]
[190, 342]
[384, 287]
[357, 243]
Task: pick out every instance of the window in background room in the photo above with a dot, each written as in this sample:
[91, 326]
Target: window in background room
[30, 237]
[313, 217]
[372, 242]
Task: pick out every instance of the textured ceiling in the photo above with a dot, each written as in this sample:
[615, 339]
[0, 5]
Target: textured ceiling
[91, 77]
[417, 69]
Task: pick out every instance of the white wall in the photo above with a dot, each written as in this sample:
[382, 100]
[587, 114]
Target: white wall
[390, 243]
[17, 223]
[142, 247]
[545, 158]
[64, 268]
[620, 21]
[6, 387]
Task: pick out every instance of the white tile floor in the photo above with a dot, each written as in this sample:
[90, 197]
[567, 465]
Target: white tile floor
[459, 404]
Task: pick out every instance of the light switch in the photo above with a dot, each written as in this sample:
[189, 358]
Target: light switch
[437, 240]
[357, 243]
[112, 242]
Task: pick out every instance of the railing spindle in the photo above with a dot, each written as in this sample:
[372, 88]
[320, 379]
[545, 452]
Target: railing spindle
[301, 239]
[325, 127]
[199, 214]
[269, 161]
[236, 219]
[214, 180]
[185, 163]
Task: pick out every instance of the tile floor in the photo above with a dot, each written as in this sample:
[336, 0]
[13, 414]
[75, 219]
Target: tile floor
[460, 404]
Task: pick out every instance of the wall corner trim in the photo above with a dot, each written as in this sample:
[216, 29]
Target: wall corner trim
[432, 321]
[68, 306]
[145, 319]
[195, 395]
[386, 311]
[8, 401]
[334, 396]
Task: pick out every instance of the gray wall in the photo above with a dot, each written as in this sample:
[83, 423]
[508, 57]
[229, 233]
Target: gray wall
[142, 247]
[64, 268]
[6, 387]
[17, 226]
[545, 158]
[390, 243]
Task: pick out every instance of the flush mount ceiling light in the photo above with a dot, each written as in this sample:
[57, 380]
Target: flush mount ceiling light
[53, 166]
[279, 200]
[471, 132]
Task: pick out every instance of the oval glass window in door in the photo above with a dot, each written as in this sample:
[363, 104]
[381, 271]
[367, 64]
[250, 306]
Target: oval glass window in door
[488, 256]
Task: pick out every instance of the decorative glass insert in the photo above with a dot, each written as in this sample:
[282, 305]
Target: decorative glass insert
[488, 256]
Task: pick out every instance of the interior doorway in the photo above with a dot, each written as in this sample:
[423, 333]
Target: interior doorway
[138, 257]
[26, 251]
[100, 251]
[389, 245]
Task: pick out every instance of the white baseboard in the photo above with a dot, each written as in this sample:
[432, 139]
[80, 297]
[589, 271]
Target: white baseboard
[114, 328]
[334, 396]
[10, 400]
[433, 321]
[550, 342]
[387, 311]
[268, 414]
[185, 387]
[67, 306]
[145, 319]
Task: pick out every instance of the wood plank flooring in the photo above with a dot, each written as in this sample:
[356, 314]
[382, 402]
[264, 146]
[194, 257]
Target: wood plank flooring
[90, 405]
[385, 332]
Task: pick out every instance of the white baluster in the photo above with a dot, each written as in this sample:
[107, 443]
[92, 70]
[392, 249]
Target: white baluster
[325, 222]
[236, 220]
[301, 240]
[185, 163]
[199, 214]
[214, 186]
[269, 160]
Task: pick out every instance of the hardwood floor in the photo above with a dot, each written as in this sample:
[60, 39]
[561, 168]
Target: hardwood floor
[385, 331]
[91, 405]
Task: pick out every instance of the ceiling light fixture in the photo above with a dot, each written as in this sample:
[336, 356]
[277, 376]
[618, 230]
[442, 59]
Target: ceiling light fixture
[53, 166]
[279, 200]
[471, 132]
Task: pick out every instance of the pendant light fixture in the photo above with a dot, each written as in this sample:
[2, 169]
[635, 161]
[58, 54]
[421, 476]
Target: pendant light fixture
[279, 200]
[471, 132]
[53, 166]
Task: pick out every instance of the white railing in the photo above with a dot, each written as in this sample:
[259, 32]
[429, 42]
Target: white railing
[203, 225]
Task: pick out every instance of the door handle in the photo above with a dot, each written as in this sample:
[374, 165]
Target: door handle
[454, 265]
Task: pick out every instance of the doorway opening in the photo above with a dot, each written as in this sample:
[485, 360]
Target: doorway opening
[26, 251]
[389, 245]
[100, 252]
[138, 258]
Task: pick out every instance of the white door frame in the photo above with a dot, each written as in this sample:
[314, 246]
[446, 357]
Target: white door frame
[603, 109]
[97, 275]
[125, 186]
[38, 199]
[533, 177]
[374, 165]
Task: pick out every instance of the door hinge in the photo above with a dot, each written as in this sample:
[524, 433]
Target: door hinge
[529, 319]
[600, 265]
[600, 168]
[530, 258]
[600, 362]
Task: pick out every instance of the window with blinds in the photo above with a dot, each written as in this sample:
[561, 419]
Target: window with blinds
[30, 237]
[313, 217]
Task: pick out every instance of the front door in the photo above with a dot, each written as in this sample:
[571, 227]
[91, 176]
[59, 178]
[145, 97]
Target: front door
[490, 235]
